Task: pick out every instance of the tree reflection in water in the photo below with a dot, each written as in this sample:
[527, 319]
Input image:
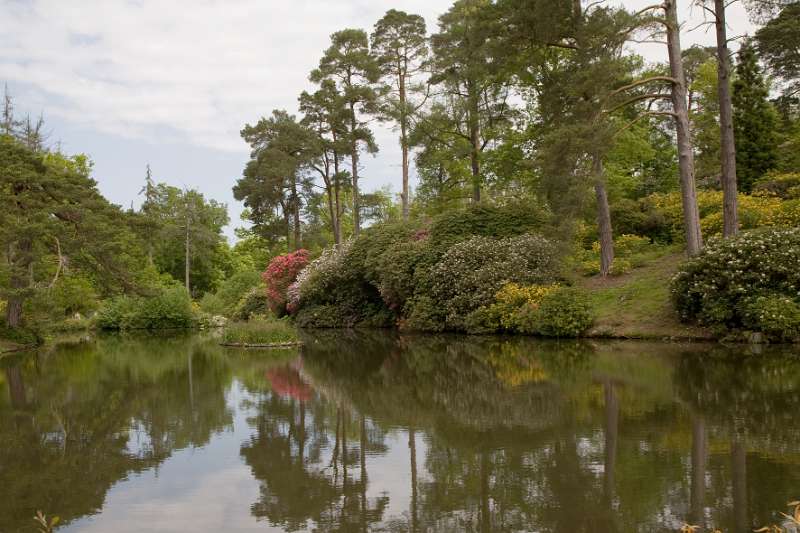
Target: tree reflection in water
[366, 431]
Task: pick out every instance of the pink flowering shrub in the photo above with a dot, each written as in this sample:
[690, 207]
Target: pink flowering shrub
[280, 275]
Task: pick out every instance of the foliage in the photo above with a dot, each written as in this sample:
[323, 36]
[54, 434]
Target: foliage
[718, 286]
[171, 308]
[775, 315]
[783, 185]
[627, 249]
[484, 220]
[470, 273]
[259, 332]
[563, 312]
[754, 121]
[510, 299]
[280, 274]
[778, 42]
[253, 303]
[230, 292]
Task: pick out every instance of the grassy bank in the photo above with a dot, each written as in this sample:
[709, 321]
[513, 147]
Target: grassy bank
[260, 333]
[637, 305]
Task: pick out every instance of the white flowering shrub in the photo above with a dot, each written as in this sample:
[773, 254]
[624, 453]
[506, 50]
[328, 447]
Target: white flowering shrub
[716, 287]
[470, 273]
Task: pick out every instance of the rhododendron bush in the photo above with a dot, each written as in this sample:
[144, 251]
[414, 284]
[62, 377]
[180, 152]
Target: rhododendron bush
[741, 282]
[280, 274]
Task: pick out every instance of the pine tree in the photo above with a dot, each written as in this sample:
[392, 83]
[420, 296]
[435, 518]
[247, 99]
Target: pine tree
[754, 120]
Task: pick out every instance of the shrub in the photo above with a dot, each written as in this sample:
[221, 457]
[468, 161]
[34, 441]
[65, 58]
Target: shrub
[563, 312]
[470, 273]
[230, 292]
[487, 221]
[253, 303]
[713, 288]
[397, 268]
[280, 274]
[170, 308]
[512, 297]
[259, 332]
[423, 314]
[782, 185]
[775, 315]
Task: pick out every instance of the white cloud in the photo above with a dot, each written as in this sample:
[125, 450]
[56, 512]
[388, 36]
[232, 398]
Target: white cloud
[200, 69]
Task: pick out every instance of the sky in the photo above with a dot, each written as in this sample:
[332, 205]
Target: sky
[170, 83]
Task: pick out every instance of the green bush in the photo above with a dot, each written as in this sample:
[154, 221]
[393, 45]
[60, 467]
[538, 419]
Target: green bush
[423, 314]
[470, 273]
[260, 332]
[170, 308]
[397, 268]
[487, 221]
[230, 293]
[564, 312]
[776, 316]
[717, 286]
[254, 302]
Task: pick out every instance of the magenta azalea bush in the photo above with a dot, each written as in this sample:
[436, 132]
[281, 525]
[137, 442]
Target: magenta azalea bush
[281, 273]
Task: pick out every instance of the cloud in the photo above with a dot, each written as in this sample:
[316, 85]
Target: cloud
[196, 69]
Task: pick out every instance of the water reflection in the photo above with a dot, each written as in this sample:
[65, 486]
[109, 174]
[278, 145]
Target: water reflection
[367, 431]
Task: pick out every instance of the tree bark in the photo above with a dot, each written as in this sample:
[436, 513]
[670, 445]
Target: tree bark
[296, 214]
[354, 164]
[611, 433]
[188, 259]
[691, 214]
[730, 217]
[475, 145]
[412, 446]
[699, 459]
[739, 476]
[337, 227]
[604, 228]
[404, 144]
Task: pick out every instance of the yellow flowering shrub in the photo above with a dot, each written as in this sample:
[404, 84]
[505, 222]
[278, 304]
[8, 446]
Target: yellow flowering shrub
[625, 246]
[512, 296]
[757, 210]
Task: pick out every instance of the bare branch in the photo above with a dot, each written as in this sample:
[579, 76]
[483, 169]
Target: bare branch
[642, 82]
[638, 98]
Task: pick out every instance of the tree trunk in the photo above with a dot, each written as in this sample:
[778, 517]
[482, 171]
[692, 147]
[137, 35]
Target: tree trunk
[691, 214]
[412, 446]
[332, 211]
[337, 230]
[404, 145]
[354, 165]
[611, 433]
[730, 216]
[296, 214]
[603, 218]
[475, 146]
[699, 457]
[739, 476]
[188, 260]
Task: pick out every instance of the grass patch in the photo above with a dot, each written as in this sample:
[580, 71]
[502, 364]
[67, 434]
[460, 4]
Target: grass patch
[260, 332]
[637, 304]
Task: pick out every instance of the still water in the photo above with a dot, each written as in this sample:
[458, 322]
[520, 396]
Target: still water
[376, 432]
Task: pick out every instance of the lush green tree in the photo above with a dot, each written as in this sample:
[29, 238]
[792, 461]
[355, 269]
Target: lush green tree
[400, 46]
[325, 113]
[778, 43]
[755, 120]
[354, 71]
[190, 245]
[477, 106]
[53, 219]
[276, 175]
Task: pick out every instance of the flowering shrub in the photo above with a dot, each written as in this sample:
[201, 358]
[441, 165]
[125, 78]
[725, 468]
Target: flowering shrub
[280, 274]
[782, 185]
[253, 303]
[625, 246]
[563, 312]
[512, 297]
[397, 267]
[754, 211]
[716, 287]
[777, 316]
[470, 273]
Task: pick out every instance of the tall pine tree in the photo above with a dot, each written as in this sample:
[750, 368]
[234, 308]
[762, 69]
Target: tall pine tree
[754, 120]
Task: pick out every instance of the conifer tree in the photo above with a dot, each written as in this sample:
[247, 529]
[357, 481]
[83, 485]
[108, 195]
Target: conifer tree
[755, 120]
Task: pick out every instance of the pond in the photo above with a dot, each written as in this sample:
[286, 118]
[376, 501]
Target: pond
[362, 431]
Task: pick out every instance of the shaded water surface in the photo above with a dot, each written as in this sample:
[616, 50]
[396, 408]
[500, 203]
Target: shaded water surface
[373, 431]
